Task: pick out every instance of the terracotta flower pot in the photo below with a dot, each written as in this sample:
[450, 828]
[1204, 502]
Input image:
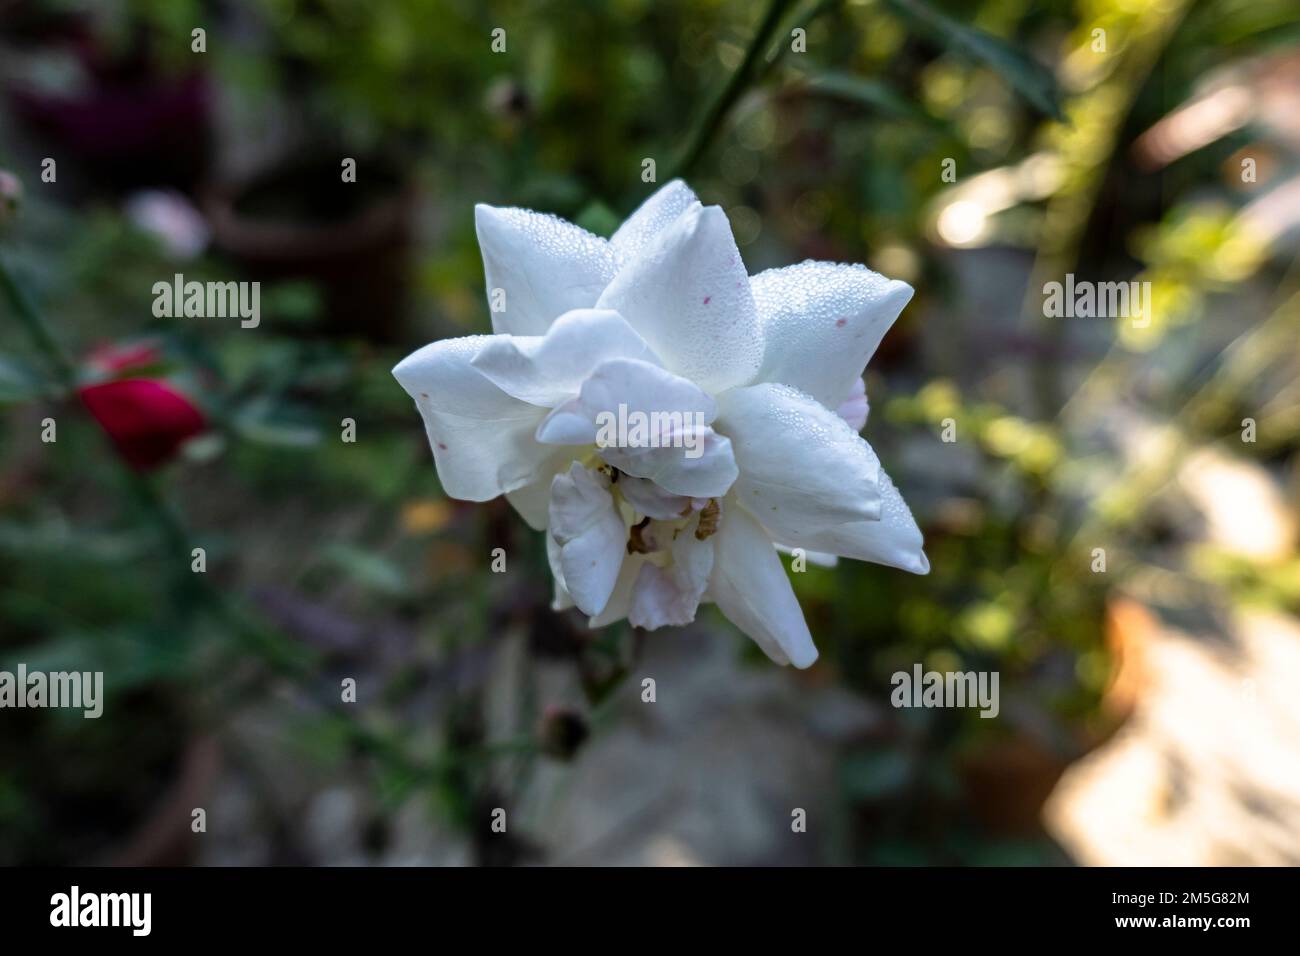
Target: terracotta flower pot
[299, 220]
[165, 835]
[1007, 782]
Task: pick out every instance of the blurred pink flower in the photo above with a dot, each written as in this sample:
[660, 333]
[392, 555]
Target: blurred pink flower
[171, 219]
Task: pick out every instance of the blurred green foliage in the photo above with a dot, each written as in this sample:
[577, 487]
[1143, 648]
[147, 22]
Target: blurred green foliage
[329, 558]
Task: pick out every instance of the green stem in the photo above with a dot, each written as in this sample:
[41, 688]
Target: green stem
[169, 526]
[285, 657]
[779, 50]
[711, 122]
[35, 326]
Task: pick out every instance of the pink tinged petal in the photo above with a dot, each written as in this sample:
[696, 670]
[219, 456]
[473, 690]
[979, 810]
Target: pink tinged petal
[482, 439]
[657, 601]
[547, 370]
[801, 466]
[653, 216]
[822, 322]
[855, 408]
[671, 595]
[651, 501]
[544, 265]
[590, 532]
[688, 296]
[751, 588]
[894, 540]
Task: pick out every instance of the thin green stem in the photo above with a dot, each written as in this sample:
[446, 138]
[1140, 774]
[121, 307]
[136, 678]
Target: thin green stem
[35, 326]
[284, 657]
[780, 49]
[706, 130]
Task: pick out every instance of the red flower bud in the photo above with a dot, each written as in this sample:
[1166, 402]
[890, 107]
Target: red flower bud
[147, 420]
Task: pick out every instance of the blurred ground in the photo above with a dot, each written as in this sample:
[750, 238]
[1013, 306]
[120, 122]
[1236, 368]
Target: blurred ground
[697, 777]
[1181, 785]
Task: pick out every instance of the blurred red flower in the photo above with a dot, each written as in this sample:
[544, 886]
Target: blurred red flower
[147, 420]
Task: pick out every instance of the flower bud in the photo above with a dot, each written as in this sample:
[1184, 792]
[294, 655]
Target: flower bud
[561, 732]
[147, 420]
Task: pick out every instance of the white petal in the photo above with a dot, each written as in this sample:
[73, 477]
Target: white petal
[482, 439]
[822, 322]
[548, 369]
[652, 217]
[671, 595]
[751, 588]
[638, 386]
[590, 532]
[620, 602]
[650, 500]
[677, 450]
[679, 471]
[562, 600]
[657, 601]
[801, 466]
[688, 296]
[567, 424]
[854, 409]
[823, 559]
[693, 558]
[894, 540]
[533, 501]
[545, 266]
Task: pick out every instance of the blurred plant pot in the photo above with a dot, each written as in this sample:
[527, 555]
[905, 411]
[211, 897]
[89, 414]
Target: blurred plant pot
[1130, 630]
[128, 122]
[1008, 781]
[299, 220]
[165, 837]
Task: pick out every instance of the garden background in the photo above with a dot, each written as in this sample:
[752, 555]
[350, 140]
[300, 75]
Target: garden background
[975, 150]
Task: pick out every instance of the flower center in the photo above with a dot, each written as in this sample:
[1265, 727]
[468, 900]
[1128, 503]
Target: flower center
[653, 536]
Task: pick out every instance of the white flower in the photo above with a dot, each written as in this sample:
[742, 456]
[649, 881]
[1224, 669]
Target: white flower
[662, 318]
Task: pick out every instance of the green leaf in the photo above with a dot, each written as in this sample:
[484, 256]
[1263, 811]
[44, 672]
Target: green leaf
[264, 421]
[598, 218]
[371, 570]
[874, 94]
[1035, 82]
